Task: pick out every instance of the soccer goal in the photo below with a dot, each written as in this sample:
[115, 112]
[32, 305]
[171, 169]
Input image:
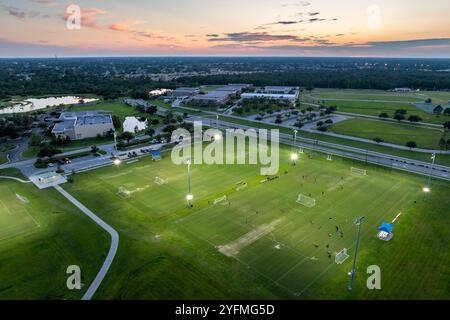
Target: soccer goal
[124, 193]
[220, 200]
[160, 181]
[306, 201]
[329, 157]
[360, 172]
[241, 186]
[341, 256]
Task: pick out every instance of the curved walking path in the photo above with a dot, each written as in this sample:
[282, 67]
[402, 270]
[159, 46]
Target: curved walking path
[112, 250]
[16, 179]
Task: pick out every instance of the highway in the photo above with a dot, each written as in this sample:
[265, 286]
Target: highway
[386, 160]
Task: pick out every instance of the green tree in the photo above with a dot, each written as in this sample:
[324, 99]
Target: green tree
[399, 117]
[383, 115]
[411, 144]
[127, 136]
[438, 110]
[95, 149]
[447, 125]
[35, 140]
[414, 118]
[48, 151]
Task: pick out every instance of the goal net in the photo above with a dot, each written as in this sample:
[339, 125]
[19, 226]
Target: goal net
[220, 200]
[358, 171]
[241, 186]
[124, 193]
[160, 181]
[341, 256]
[306, 201]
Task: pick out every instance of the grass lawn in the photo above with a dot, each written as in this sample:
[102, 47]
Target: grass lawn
[375, 108]
[353, 94]
[396, 133]
[3, 158]
[31, 152]
[118, 108]
[85, 143]
[261, 244]
[40, 236]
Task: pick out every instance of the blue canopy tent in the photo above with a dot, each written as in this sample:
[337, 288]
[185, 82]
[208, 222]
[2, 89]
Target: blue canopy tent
[386, 227]
[156, 155]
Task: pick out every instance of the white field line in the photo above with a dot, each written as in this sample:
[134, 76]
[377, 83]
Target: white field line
[112, 250]
[396, 217]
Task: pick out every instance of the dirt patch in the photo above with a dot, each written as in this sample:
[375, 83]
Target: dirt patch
[232, 249]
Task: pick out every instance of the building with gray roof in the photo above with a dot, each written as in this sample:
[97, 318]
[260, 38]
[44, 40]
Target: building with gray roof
[82, 125]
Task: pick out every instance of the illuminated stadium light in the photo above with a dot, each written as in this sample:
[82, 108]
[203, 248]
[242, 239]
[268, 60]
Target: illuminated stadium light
[189, 197]
[217, 137]
[117, 162]
[294, 157]
[426, 190]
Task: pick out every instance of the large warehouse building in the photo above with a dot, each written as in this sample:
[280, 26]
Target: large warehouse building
[82, 125]
[222, 95]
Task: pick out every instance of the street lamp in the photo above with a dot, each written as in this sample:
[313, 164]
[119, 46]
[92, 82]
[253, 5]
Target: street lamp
[189, 196]
[295, 138]
[358, 222]
[115, 140]
[117, 162]
[294, 158]
[427, 188]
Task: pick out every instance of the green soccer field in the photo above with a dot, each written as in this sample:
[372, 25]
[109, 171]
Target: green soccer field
[40, 236]
[259, 242]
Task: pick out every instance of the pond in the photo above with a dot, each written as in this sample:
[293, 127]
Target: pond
[134, 125]
[34, 104]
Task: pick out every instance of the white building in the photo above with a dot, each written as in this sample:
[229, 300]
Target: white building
[289, 97]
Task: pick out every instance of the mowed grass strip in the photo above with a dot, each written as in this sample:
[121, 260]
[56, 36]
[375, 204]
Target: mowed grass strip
[354, 94]
[396, 133]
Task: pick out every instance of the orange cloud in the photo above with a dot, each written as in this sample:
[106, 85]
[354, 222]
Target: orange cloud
[124, 25]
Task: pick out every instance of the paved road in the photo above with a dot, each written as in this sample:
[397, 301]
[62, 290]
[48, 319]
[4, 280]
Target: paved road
[394, 162]
[112, 250]
[327, 133]
[16, 153]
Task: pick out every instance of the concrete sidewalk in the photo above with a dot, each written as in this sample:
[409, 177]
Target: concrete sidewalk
[112, 250]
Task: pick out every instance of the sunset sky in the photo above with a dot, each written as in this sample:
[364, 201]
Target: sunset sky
[400, 28]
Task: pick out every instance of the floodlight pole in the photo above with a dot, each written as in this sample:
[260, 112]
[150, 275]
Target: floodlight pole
[115, 140]
[358, 223]
[295, 139]
[433, 158]
[217, 121]
[188, 162]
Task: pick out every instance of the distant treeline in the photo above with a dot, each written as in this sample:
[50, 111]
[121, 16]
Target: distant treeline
[118, 77]
[351, 79]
